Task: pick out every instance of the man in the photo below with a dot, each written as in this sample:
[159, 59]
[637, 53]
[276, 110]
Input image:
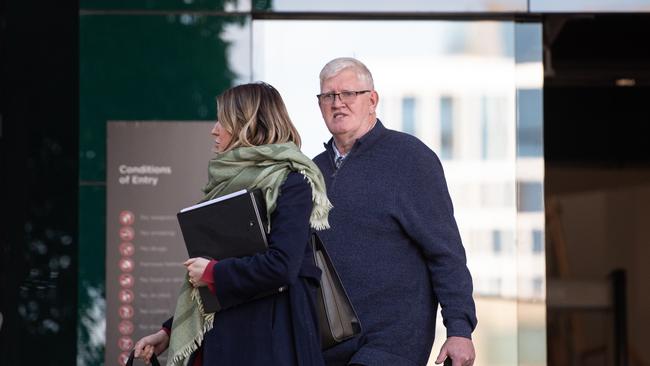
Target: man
[394, 239]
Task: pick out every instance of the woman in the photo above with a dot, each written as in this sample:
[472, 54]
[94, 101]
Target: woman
[256, 146]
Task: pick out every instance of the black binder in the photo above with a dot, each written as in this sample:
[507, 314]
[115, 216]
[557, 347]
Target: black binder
[233, 225]
[229, 226]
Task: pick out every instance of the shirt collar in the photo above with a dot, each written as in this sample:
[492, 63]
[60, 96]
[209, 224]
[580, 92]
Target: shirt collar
[337, 153]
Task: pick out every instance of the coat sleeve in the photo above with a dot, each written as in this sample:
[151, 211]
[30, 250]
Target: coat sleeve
[167, 324]
[426, 214]
[237, 280]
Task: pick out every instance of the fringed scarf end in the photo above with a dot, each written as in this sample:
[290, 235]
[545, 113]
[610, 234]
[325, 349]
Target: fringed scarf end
[181, 357]
[322, 206]
[207, 317]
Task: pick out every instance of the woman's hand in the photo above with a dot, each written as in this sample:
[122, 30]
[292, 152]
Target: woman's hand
[195, 268]
[145, 347]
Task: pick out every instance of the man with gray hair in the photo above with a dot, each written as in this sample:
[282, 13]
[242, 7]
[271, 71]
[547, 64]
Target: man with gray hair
[394, 239]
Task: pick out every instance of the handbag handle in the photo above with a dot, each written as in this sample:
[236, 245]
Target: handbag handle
[153, 360]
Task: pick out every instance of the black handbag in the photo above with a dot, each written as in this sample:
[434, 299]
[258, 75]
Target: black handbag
[337, 319]
[153, 360]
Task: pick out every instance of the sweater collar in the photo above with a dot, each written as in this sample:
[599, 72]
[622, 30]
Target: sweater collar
[370, 136]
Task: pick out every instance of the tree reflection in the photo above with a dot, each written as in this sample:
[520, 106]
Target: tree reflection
[167, 66]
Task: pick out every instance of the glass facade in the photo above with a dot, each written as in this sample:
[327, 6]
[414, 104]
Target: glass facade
[531, 261]
[416, 6]
[470, 90]
[167, 5]
[583, 6]
[165, 65]
[457, 86]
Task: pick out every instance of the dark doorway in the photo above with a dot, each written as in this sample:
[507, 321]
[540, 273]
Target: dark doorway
[38, 182]
[597, 154]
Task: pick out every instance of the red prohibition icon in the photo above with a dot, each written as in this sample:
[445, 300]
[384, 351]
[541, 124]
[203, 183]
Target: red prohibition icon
[125, 327]
[127, 218]
[127, 233]
[125, 343]
[126, 264]
[127, 249]
[122, 358]
[126, 280]
[126, 311]
[126, 296]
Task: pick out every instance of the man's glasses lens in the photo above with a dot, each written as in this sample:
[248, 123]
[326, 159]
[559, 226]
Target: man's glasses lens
[345, 96]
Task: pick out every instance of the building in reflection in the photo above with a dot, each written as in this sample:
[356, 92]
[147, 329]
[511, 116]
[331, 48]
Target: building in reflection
[461, 88]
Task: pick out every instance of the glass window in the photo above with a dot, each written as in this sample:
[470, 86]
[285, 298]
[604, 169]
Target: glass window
[168, 5]
[496, 241]
[494, 129]
[446, 127]
[538, 282]
[530, 122]
[408, 115]
[538, 244]
[530, 196]
[392, 6]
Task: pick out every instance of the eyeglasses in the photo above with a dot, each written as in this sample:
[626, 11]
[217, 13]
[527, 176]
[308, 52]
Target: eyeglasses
[344, 96]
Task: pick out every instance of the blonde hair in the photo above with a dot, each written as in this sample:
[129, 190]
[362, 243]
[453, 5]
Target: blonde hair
[254, 114]
[337, 65]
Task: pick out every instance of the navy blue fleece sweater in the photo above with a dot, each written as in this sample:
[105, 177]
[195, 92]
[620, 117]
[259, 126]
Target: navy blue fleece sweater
[397, 248]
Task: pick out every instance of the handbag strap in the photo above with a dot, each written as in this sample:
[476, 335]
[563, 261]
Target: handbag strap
[153, 360]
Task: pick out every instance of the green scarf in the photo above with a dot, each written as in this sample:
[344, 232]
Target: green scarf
[265, 167]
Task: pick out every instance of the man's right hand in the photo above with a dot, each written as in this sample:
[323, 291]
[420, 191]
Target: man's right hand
[145, 347]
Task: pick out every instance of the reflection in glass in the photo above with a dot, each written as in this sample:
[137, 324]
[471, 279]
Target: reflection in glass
[141, 67]
[588, 6]
[531, 316]
[153, 67]
[92, 327]
[538, 244]
[529, 140]
[493, 128]
[169, 5]
[454, 86]
[393, 6]
[446, 128]
[408, 115]
[530, 196]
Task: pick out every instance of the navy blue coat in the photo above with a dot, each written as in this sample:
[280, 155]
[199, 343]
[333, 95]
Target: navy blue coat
[280, 329]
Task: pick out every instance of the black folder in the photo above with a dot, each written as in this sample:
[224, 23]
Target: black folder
[230, 226]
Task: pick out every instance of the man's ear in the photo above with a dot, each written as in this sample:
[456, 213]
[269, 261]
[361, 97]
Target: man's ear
[374, 100]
